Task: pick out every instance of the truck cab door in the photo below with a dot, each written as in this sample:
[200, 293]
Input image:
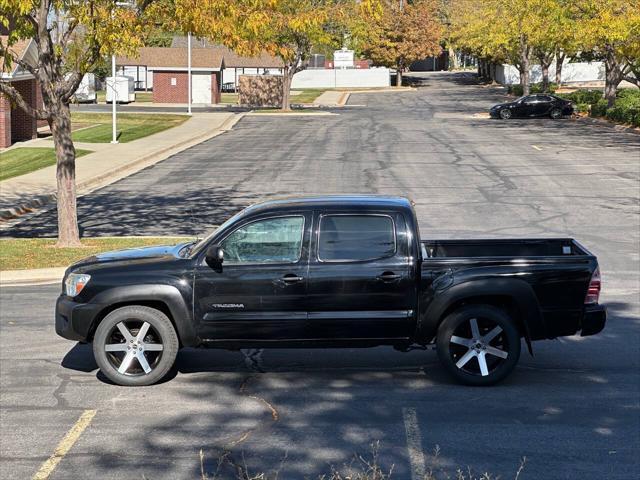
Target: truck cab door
[260, 291]
[361, 278]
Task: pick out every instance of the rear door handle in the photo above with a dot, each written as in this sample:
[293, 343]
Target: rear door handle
[388, 277]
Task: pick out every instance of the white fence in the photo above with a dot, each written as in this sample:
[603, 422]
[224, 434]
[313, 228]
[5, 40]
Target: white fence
[338, 78]
[571, 72]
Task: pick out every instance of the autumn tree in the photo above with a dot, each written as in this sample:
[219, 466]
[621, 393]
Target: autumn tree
[553, 34]
[73, 38]
[611, 30]
[403, 34]
[70, 38]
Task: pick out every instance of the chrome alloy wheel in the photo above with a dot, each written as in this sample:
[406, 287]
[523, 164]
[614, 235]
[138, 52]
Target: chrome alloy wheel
[134, 347]
[479, 346]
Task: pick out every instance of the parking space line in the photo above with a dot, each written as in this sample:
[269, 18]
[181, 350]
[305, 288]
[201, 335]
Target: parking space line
[536, 147]
[414, 443]
[65, 445]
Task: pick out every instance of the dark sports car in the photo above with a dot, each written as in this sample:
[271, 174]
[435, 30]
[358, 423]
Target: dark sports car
[539, 105]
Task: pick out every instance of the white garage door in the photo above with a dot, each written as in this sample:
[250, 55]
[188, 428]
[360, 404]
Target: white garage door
[201, 87]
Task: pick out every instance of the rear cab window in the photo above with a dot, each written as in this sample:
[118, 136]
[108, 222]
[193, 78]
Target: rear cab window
[356, 237]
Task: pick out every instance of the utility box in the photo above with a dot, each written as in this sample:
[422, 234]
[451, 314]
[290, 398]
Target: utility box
[123, 89]
[86, 92]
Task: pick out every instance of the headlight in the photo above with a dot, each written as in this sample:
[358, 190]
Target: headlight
[75, 282]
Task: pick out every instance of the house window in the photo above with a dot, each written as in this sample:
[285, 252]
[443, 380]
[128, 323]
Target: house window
[173, 81]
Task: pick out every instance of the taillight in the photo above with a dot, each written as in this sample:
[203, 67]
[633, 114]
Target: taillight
[593, 293]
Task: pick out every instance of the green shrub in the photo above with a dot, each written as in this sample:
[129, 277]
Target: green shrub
[537, 88]
[583, 107]
[626, 108]
[582, 96]
[628, 94]
[517, 90]
[599, 109]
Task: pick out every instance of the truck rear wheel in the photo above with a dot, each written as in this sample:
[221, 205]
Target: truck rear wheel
[135, 345]
[478, 344]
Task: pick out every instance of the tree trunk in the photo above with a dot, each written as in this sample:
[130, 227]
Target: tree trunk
[545, 63]
[286, 88]
[559, 62]
[613, 75]
[545, 77]
[524, 65]
[453, 59]
[399, 76]
[60, 124]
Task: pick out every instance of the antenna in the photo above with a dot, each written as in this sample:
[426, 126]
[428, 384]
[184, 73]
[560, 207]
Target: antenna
[194, 224]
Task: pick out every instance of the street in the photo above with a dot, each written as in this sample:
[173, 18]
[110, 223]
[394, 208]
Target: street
[572, 410]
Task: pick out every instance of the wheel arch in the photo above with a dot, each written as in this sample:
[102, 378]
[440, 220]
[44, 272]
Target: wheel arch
[164, 298]
[514, 296]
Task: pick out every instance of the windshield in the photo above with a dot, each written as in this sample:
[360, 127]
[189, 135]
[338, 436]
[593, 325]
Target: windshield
[199, 245]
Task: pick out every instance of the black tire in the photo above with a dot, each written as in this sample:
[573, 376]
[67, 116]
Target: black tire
[555, 113]
[462, 352]
[505, 114]
[157, 347]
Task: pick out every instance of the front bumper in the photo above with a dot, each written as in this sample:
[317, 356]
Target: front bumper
[74, 320]
[594, 319]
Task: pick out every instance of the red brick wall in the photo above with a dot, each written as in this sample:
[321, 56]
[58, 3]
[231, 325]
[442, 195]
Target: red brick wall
[5, 122]
[215, 87]
[164, 92]
[23, 126]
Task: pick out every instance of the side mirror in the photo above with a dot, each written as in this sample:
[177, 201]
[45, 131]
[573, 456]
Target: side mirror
[214, 257]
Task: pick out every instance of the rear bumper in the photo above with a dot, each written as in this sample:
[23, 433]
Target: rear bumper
[74, 320]
[594, 319]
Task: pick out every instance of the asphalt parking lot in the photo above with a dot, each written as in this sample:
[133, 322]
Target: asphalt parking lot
[573, 410]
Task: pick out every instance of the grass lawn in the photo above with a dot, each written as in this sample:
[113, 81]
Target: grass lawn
[131, 126]
[20, 254]
[307, 95]
[229, 98]
[28, 159]
[141, 97]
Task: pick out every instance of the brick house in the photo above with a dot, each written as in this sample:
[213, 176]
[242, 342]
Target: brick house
[169, 69]
[234, 64]
[15, 124]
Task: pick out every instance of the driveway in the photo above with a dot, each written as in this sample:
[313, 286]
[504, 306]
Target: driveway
[572, 410]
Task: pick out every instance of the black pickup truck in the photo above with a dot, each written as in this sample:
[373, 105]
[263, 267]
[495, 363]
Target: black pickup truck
[330, 271]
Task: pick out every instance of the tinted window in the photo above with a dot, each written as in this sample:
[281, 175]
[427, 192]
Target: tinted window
[356, 237]
[274, 240]
[545, 98]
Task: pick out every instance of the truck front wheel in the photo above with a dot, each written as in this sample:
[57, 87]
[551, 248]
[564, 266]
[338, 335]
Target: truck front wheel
[478, 344]
[135, 345]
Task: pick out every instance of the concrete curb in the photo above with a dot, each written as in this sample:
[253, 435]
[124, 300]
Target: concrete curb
[99, 181]
[38, 276]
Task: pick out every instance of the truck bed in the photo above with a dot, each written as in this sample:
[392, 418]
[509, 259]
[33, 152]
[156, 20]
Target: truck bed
[546, 247]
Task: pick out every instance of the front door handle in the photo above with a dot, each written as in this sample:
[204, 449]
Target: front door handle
[388, 277]
[291, 278]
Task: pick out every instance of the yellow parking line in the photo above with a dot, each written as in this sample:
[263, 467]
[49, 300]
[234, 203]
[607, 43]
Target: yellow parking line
[414, 443]
[65, 445]
[536, 147]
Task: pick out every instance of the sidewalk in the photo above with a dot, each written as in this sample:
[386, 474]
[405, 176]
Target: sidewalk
[108, 163]
[38, 276]
[339, 98]
[331, 98]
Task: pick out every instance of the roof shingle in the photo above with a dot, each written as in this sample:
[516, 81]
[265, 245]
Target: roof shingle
[231, 58]
[163, 57]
